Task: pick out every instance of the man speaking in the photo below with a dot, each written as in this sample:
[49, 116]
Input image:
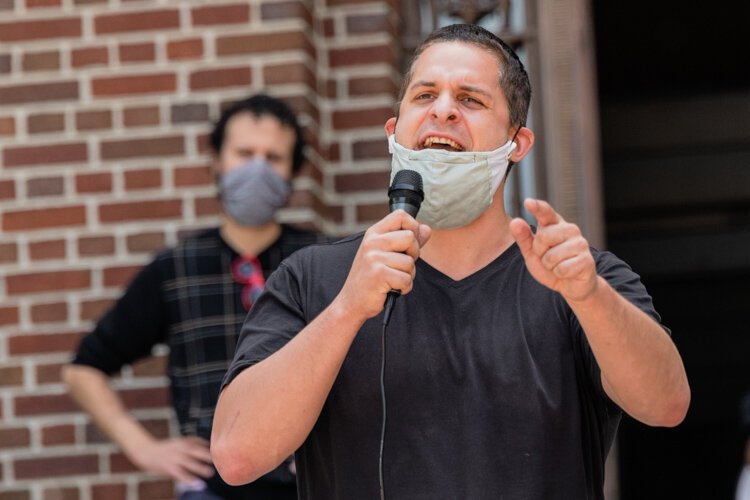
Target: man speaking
[510, 354]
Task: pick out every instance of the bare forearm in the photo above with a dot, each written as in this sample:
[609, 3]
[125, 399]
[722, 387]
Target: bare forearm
[266, 413]
[641, 368]
[90, 388]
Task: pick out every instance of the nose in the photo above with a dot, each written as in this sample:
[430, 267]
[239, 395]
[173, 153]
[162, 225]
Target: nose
[444, 108]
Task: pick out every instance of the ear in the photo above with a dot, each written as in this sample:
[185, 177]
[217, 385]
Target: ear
[524, 141]
[214, 167]
[390, 126]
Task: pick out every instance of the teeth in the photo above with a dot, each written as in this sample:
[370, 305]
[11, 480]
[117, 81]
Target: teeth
[441, 140]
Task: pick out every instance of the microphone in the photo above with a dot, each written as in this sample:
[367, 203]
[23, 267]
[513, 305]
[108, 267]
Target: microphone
[406, 194]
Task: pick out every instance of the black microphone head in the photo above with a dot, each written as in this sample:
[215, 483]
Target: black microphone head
[406, 192]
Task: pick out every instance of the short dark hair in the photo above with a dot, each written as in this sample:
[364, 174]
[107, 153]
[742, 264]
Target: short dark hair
[514, 81]
[261, 105]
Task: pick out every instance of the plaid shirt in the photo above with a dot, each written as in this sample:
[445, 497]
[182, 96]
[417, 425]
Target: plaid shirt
[187, 299]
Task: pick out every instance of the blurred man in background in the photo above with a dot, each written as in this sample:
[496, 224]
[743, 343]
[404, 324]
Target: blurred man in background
[194, 298]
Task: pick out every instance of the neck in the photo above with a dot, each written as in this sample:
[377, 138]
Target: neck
[249, 240]
[460, 252]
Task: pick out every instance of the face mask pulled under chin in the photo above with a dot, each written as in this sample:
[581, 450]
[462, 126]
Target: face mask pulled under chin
[458, 185]
[253, 192]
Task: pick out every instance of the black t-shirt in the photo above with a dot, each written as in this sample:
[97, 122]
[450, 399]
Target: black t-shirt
[492, 389]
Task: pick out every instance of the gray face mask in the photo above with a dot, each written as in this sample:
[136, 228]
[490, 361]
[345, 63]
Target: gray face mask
[458, 185]
[253, 192]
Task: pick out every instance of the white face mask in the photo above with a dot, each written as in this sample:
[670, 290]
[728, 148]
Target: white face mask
[458, 185]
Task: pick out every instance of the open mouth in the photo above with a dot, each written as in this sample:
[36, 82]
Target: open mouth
[432, 142]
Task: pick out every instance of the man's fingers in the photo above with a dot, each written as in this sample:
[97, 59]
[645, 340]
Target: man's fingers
[521, 232]
[542, 212]
[566, 250]
[196, 467]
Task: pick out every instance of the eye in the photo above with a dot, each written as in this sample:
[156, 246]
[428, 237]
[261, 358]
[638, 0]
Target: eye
[471, 101]
[423, 97]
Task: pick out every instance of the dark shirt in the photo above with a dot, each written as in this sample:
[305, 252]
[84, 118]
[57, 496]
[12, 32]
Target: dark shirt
[492, 389]
[187, 299]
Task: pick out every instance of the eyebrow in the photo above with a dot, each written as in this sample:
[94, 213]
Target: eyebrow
[465, 88]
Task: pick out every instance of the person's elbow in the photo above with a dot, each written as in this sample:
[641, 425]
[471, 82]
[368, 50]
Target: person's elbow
[235, 466]
[676, 407]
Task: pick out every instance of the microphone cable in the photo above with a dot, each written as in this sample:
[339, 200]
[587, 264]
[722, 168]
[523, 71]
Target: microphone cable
[382, 399]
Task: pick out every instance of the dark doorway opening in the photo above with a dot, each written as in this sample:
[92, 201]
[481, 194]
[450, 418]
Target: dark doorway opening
[674, 95]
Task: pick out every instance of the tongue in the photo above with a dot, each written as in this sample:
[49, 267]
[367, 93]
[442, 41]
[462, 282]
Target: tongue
[443, 146]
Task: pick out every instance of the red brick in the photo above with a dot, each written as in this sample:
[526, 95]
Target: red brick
[89, 56]
[11, 376]
[44, 404]
[361, 55]
[5, 63]
[109, 492]
[191, 48]
[153, 366]
[134, 85]
[14, 437]
[157, 489]
[368, 150]
[92, 310]
[55, 435]
[7, 125]
[193, 176]
[39, 92]
[45, 186]
[45, 154]
[41, 61]
[361, 118]
[58, 493]
[49, 373]
[28, 343]
[7, 192]
[371, 213]
[362, 182]
[153, 397]
[262, 43]
[137, 21]
[137, 52]
[372, 86]
[15, 494]
[189, 112]
[220, 14]
[94, 183]
[368, 23]
[144, 210]
[202, 143]
[8, 315]
[329, 27]
[119, 463]
[48, 281]
[140, 116]
[120, 275]
[45, 250]
[96, 245]
[38, 468]
[41, 218]
[207, 206]
[143, 179]
[32, 4]
[288, 73]
[8, 253]
[49, 313]
[219, 78]
[148, 148]
[145, 242]
[46, 122]
[15, 31]
[94, 120]
[284, 10]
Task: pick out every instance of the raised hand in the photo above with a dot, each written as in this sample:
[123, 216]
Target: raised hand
[557, 255]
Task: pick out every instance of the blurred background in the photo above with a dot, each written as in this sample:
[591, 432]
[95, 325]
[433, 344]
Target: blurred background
[642, 116]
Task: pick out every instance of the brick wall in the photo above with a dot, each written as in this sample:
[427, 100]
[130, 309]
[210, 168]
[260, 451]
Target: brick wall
[104, 111]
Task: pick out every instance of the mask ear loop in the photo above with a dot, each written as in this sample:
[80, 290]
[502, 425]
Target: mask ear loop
[511, 163]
